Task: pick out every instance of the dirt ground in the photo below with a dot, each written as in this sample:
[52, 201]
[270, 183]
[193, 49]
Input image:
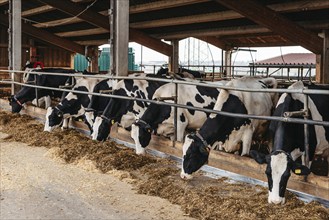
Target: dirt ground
[66, 175]
[35, 186]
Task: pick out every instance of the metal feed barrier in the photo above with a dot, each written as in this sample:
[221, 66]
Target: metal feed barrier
[288, 116]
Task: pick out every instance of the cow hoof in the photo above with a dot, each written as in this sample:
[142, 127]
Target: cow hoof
[64, 128]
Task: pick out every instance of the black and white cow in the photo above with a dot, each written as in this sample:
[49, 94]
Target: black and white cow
[121, 110]
[73, 105]
[98, 103]
[26, 94]
[160, 118]
[182, 72]
[229, 132]
[288, 140]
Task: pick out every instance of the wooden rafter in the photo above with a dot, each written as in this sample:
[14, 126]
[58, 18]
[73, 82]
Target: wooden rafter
[38, 10]
[276, 23]
[158, 5]
[102, 21]
[230, 14]
[215, 42]
[46, 36]
[3, 2]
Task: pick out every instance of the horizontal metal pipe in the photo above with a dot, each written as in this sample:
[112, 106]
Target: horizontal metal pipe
[273, 118]
[190, 82]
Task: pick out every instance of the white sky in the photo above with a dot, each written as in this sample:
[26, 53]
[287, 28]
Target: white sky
[201, 51]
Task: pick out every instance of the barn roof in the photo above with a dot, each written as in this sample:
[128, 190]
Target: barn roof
[290, 59]
[223, 23]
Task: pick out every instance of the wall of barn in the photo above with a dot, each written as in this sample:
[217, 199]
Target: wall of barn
[50, 56]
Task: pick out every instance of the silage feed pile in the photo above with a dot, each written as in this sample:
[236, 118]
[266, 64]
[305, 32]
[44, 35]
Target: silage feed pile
[201, 197]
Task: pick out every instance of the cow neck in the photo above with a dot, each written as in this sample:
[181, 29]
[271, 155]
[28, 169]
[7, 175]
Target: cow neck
[156, 114]
[114, 109]
[220, 127]
[151, 116]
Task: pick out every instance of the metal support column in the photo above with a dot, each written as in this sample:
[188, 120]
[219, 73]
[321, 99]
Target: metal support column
[228, 63]
[16, 37]
[174, 68]
[120, 39]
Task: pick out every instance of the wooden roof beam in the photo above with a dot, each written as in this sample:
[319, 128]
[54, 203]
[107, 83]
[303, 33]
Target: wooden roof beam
[38, 10]
[3, 2]
[237, 30]
[47, 37]
[158, 5]
[102, 21]
[215, 42]
[276, 23]
[230, 14]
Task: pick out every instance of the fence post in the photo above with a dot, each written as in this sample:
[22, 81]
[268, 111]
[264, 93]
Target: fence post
[306, 132]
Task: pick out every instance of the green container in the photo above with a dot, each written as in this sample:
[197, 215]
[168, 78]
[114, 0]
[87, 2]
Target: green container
[81, 63]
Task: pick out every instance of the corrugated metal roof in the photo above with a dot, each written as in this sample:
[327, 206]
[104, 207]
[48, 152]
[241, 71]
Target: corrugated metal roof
[290, 59]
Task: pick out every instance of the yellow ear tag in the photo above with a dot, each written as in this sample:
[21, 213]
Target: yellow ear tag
[149, 130]
[298, 171]
[112, 121]
[80, 119]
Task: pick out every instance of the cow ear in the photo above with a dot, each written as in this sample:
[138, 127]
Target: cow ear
[299, 169]
[258, 157]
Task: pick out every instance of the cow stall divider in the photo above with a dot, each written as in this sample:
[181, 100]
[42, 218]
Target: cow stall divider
[288, 117]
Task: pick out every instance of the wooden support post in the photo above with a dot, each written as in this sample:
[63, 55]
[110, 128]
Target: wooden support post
[121, 36]
[33, 51]
[175, 57]
[16, 42]
[325, 59]
[318, 68]
[72, 61]
[92, 55]
[228, 63]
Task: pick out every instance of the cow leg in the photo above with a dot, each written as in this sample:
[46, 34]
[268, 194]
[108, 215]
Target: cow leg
[246, 141]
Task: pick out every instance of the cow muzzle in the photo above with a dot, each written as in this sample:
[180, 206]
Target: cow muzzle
[276, 200]
[185, 176]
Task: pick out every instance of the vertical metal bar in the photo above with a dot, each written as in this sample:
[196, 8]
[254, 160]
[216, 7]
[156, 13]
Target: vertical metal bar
[213, 73]
[10, 66]
[36, 91]
[16, 42]
[306, 132]
[175, 115]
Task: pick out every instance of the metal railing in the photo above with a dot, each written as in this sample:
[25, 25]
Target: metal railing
[286, 118]
[283, 72]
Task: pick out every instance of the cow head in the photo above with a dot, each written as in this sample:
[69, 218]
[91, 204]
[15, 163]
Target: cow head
[278, 169]
[101, 128]
[141, 133]
[54, 118]
[195, 154]
[16, 105]
[90, 115]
